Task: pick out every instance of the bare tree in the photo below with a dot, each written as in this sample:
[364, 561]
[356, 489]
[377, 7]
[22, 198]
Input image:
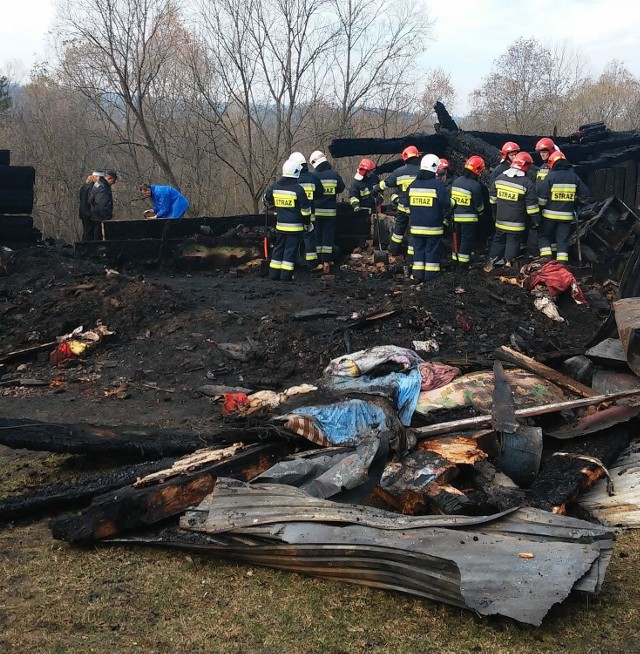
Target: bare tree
[439, 87]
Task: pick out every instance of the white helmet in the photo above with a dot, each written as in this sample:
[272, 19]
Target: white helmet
[298, 157]
[291, 168]
[317, 158]
[430, 162]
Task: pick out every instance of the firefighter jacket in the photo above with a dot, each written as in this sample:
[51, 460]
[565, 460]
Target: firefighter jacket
[293, 209]
[332, 185]
[515, 197]
[498, 170]
[400, 179]
[561, 192]
[468, 199]
[168, 202]
[428, 200]
[312, 186]
[101, 201]
[361, 194]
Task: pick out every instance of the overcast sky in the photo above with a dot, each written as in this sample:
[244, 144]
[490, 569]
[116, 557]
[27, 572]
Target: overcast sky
[468, 34]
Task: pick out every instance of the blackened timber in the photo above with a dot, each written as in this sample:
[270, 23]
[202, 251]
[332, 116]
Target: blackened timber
[124, 441]
[566, 474]
[130, 507]
[436, 143]
[58, 497]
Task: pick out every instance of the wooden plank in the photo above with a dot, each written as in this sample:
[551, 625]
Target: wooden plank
[131, 507]
[505, 353]
[481, 421]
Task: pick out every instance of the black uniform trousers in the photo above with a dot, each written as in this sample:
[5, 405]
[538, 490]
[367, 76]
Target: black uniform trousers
[465, 238]
[427, 251]
[88, 230]
[284, 254]
[506, 244]
[310, 251]
[555, 232]
[399, 229]
[325, 238]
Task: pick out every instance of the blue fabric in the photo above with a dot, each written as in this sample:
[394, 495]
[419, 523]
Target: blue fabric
[346, 423]
[167, 202]
[402, 387]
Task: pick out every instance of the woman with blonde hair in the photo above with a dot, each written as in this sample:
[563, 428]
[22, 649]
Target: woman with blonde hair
[84, 208]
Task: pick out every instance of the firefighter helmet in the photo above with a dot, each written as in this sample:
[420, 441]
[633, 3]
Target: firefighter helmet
[444, 166]
[366, 166]
[545, 144]
[316, 158]
[298, 156]
[556, 155]
[475, 164]
[522, 161]
[508, 147]
[430, 162]
[291, 168]
[409, 152]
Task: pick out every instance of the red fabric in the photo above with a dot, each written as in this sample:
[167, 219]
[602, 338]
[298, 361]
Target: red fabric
[556, 278]
[60, 354]
[436, 375]
[232, 402]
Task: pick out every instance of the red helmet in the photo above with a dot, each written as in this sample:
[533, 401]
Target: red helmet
[545, 144]
[508, 147]
[522, 161]
[444, 164]
[555, 156]
[366, 166]
[409, 152]
[475, 164]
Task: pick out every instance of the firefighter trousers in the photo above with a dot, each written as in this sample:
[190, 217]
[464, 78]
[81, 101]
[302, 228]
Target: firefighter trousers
[506, 244]
[284, 255]
[309, 238]
[399, 229]
[555, 232]
[426, 256]
[325, 238]
[465, 235]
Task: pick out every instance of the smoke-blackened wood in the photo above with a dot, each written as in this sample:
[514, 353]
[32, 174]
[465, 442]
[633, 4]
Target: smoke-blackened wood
[444, 117]
[5, 157]
[563, 478]
[124, 441]
[17, 177]
[129, 507]
[15, 222]
[435, 143]
[16, 200]
[58, 497]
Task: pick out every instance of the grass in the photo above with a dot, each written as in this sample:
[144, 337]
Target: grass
[55, 599]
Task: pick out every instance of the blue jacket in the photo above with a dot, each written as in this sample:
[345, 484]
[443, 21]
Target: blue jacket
[167, 202]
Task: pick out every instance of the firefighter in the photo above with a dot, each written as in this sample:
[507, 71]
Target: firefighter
[514, 202]
[508, 151]
[444, 173]
[561, 192]
[293, 214]
[361, 195]
[312, 186]
[544, 147]
[427, 199]
[400, 179]
[468, 199]
[332, 186]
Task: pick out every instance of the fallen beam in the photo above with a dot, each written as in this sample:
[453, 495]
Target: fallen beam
[124, 441]
[132, 507]
[481, 421]
[505, 353]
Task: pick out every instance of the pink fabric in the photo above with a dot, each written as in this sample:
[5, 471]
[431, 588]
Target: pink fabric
[436, 375]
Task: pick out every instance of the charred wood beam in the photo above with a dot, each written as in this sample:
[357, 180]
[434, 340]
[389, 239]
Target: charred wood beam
[445, 121]
[130, 507]
[124, 441]
[58, 497]
[566, 474]
[436, 143]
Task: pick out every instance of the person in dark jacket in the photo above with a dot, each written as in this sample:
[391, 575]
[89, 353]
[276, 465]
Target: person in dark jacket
[101, 202]
[514, 203]
[293, 214]
[508, 152]
[312, 186]
[560, 194]
[427, 199]
[468, 198]
[399, 181]
[84, 209]
[361, 194]
[167, 201]
[544, 147]
[326, 207]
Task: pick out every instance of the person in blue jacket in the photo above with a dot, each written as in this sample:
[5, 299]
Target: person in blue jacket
[167, 202]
